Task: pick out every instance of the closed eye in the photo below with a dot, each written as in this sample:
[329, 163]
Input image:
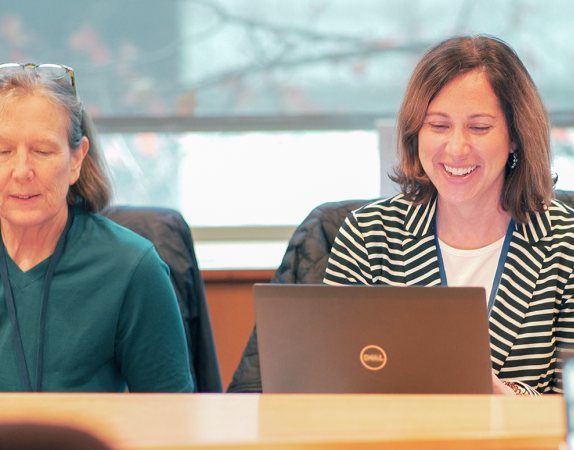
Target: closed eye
[438, 126]
[480, 129]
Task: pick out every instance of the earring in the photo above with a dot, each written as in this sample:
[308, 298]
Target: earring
[514, 159]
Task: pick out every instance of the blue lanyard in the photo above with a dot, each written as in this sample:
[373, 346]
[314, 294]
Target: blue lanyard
[22, 366]
[499, 268]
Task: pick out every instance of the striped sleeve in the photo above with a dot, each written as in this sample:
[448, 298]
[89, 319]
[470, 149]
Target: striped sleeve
[349, 261]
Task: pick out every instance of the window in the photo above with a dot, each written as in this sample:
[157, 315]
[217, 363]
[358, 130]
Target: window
[245, 114]
[243, 179]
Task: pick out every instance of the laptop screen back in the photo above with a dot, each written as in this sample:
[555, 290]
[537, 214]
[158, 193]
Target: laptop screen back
[372, 339]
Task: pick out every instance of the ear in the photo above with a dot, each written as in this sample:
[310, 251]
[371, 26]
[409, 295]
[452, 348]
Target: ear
[77, 158]
[513, 147]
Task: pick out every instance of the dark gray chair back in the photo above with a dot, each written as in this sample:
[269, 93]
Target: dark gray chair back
[171, 236]
[567, 197]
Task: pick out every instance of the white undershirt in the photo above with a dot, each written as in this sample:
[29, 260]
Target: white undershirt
[475, 268]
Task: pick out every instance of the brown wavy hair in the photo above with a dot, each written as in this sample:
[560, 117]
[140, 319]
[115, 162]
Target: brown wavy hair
[92, 190]
[527, 188]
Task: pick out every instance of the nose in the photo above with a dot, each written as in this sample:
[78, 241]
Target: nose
[22, 170]
[457, 146]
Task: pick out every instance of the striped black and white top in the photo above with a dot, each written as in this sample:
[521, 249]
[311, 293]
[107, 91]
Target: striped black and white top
[392, 242]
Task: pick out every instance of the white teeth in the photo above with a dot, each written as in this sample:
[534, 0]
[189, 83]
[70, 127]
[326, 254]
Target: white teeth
[26, 198]
[459, 172]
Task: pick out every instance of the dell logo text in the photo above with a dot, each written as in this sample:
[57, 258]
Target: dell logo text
[373, 357]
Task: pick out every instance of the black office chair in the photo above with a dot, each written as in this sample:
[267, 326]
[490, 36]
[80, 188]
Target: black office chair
[567, 197]
[36, 436]
[172, 239]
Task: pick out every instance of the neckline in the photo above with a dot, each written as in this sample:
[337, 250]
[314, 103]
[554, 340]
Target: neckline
[496, 245]
[20, 279]
[499, 269]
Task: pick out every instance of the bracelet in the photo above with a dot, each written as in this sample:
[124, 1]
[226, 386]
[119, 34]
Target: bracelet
[521, 388]
[517, 389]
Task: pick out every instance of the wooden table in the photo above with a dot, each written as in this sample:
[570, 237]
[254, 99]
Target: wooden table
[242, 421]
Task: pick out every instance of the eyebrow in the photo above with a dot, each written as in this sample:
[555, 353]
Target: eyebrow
[40, 141]
[473, 116]
[46, 141]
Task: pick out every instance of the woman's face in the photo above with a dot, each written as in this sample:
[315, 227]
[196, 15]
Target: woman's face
[36, 164]
[464, 142]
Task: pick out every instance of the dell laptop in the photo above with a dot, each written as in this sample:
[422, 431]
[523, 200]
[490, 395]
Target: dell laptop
[372, 339]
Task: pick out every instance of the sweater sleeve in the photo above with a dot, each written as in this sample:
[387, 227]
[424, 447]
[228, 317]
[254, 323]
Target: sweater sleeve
[150, 345]
[349, 261]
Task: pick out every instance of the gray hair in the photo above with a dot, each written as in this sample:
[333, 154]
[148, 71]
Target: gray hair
[92, 191]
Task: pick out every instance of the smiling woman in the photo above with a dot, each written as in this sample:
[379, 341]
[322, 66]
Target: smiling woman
[85, 305]
[476, 208]
[463, 148]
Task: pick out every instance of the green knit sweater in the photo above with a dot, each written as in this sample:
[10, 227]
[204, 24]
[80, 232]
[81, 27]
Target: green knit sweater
[112, 318]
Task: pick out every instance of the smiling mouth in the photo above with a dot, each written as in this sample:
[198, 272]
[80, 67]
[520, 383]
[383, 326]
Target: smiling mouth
[25, 197]
[459, 172]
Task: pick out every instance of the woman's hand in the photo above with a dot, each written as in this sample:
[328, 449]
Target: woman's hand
[498, 387]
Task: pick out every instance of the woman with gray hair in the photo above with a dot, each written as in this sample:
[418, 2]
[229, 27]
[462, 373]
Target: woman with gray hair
[85, 305]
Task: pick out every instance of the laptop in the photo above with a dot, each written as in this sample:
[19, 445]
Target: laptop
[372, 339]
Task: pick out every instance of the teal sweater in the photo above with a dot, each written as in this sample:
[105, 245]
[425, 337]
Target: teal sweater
[112, 318]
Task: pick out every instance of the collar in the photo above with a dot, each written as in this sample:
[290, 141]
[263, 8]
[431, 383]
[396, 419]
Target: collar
[536, 229]
[419, 219]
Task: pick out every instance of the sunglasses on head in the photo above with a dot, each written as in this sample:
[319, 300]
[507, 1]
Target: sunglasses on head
[48, 71]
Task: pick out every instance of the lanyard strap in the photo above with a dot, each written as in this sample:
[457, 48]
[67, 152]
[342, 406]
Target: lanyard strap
[499, 268]
[22, 366]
